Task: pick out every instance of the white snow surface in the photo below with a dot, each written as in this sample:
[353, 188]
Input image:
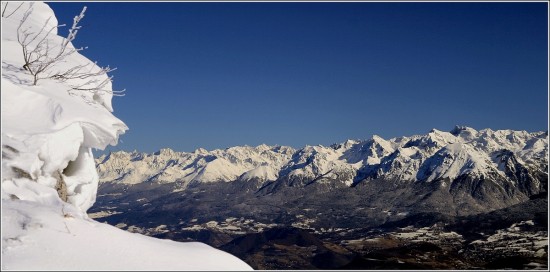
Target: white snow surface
[39, 237]
[48, 134]
[45, 129]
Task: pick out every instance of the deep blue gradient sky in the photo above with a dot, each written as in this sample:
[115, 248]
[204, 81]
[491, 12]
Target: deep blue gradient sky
[216, 75]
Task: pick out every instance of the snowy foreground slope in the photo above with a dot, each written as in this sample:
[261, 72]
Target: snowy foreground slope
[49, 177]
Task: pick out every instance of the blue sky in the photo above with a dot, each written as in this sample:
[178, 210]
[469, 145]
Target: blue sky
[216, 75]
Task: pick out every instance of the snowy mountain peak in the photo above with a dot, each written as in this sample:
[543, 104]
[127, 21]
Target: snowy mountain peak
[200, 151]
[465, 133]
[442, 138]
[434, 156]
[347, 144]
[165, 152]
[263, 147]
[458, 128]
[450, 162]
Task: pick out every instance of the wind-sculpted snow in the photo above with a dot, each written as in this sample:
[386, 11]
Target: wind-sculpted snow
[47, 130]
[49, 176]
[432, 157]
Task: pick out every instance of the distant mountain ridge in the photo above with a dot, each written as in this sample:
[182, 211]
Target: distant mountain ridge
[514, 160]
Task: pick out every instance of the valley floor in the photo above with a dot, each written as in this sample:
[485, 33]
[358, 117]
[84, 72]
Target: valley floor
[512, 238]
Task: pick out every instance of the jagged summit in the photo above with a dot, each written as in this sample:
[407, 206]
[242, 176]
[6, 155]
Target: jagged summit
[434, 156]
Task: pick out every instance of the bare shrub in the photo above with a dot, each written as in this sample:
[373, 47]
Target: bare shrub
[40, 58]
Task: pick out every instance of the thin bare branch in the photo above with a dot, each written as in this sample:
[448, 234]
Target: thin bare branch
[41, 57]
[6, 6]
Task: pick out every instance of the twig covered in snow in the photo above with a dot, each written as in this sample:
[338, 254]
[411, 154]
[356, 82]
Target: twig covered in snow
[41, 58]
[39, 55]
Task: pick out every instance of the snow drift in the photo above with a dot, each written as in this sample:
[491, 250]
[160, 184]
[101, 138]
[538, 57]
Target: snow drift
[49, 176]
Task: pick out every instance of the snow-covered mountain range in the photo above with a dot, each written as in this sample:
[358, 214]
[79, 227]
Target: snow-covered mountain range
[332, 191]
[512, 159]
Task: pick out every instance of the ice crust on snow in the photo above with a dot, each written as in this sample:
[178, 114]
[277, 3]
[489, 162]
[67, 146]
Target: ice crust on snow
[49, 176]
